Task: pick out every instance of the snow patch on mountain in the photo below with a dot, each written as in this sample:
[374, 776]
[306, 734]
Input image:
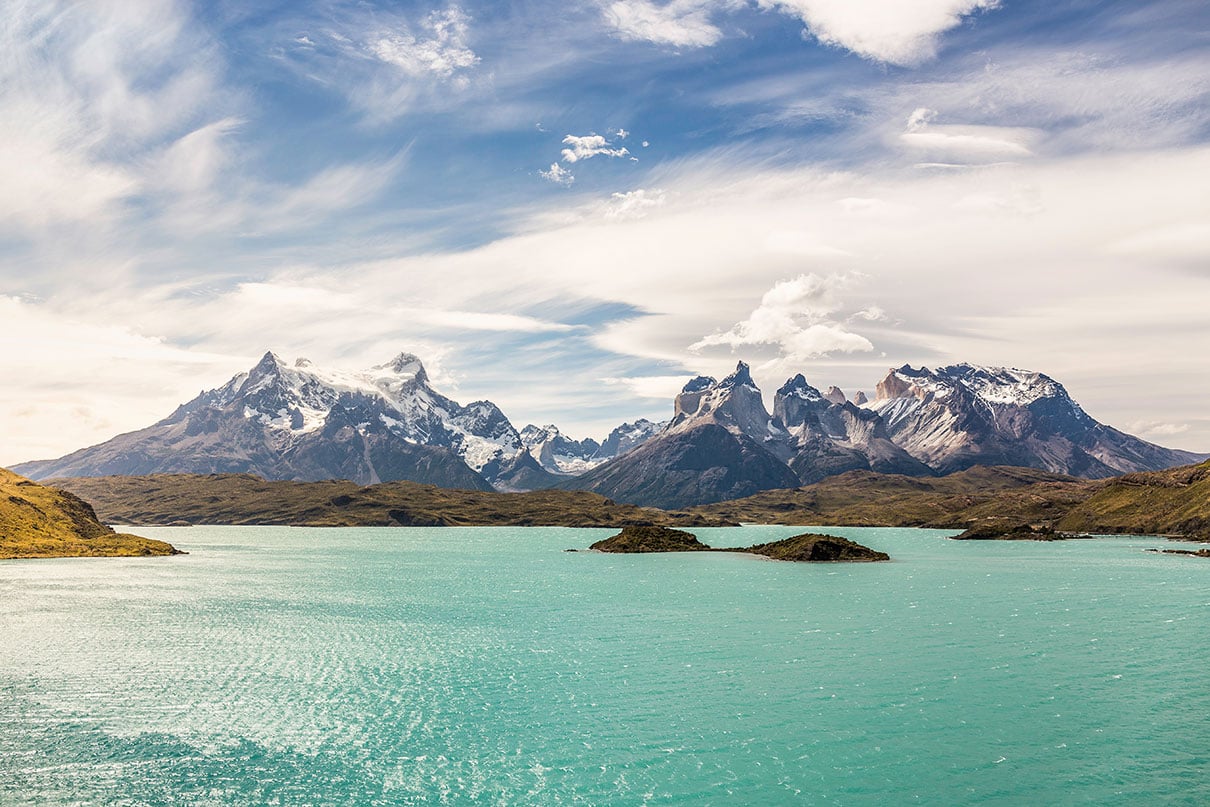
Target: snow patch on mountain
[298, 400]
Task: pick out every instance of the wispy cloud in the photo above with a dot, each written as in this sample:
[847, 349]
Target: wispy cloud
[385, 63]
[951, 143]
[679, 23]
[882, 30]
[78, 112]
[441, 51]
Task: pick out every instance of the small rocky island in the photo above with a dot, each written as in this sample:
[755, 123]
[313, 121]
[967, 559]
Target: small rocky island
[815, 548]
[808, 547]
[1197, 553]
[635, 540]
[1015, 532]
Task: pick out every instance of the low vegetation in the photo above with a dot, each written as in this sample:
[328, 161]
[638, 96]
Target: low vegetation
[244, 499]
[957, 501]
[1175, 503]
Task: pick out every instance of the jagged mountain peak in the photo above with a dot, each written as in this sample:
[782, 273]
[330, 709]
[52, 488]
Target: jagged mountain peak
[799, 388]
[967, 414]
[734, 403]
[406, 365]
[533, 434]
[741, 377]
[835, 395]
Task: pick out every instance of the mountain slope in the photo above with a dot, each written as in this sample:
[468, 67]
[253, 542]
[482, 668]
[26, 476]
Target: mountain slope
[716, 447]
[826, 435]
[42, 522]
[867, 499]
[706, 463]
[558, 453]
[964, 415]
[300, 422]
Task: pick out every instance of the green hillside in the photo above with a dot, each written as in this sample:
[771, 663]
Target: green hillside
[1175, 502]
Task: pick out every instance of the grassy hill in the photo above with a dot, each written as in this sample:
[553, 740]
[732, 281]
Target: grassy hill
[867, 499]
[246, 499]
[41, 522]
[1175, 502]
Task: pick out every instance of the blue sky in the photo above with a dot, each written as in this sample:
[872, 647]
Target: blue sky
[569, 208]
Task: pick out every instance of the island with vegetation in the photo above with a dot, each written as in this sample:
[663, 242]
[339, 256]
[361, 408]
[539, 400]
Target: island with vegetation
[809, 547]
[42, 522]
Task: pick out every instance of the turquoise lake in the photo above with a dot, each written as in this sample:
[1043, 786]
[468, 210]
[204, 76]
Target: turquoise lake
[488, 666]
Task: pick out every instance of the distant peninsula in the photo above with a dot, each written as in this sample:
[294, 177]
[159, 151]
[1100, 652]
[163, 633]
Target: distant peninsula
[41, 522]
[809, 547]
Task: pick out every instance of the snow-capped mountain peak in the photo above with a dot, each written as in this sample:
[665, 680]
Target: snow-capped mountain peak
[1004, 385]
[798, 387]
[295, 400]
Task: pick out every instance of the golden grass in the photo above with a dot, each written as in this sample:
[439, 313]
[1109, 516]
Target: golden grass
[42, 522]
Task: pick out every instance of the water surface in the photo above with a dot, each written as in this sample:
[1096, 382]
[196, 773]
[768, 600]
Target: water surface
[487, 666]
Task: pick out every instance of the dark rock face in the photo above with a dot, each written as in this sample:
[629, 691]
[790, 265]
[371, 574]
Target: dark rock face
[650, 539]
[679, 469]
[522, 473]
[815, 548]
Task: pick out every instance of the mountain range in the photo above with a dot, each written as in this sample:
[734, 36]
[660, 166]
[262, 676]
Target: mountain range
[723, 444]
[388, 423]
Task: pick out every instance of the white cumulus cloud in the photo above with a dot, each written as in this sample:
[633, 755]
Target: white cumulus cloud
[589, 146]
[558, 175]
[796, 316]
[891, 31]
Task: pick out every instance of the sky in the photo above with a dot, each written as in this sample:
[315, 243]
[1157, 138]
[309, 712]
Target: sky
[570, 208]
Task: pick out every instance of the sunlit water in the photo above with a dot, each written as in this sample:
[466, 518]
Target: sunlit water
[487, 666]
